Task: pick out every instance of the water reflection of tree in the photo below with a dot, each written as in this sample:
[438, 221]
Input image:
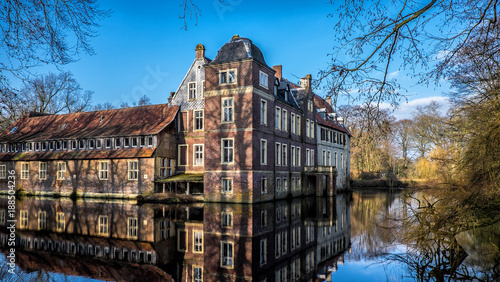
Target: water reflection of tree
[434, 232]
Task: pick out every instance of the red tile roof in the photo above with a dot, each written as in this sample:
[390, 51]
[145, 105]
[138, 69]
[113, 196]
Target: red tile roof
[79, 155]
[320, 103]
[142, 120]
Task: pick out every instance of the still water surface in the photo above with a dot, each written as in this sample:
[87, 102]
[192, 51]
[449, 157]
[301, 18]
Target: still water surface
[342, 238]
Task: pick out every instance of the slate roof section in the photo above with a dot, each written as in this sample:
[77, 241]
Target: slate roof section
[320, 103]
[239, 49]
[287, 98]
[144, 120]
[79, 155]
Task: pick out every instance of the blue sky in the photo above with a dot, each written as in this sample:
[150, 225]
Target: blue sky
[141, 48]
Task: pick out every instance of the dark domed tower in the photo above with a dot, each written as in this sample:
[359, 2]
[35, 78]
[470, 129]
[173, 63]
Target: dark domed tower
[237, 80]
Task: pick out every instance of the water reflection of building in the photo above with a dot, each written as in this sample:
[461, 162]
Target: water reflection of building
[299, 240]
[90, 239]
[296, 240]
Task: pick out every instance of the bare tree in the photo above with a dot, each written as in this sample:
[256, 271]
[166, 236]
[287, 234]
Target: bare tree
[42, 32]
[104, 106]
[375, 37]
[402, 132]
[55, 94]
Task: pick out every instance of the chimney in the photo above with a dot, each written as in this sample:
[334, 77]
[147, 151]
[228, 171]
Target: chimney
[200, 51]
[329, 100]
[305, 82]
[278, 69]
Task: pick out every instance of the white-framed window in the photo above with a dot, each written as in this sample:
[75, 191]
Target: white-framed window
[227, 254]
[298, 158]
[198, 120]
[263, 112]
[150, 141]
[3, 171]
[292, 156]
[226, 219]
[98, 143]
[197, 274]
[263, 186]
[198, 154]
[277, 153]
[61, 170]
[197, 241]
[336, 160]
[263, 151]
[284, 117]
[278, 184]
[263, 79]
[284, 154]
[227, 145]
[227, 77]
[142, 141]
[312, 129]
[308, 157]
[192, 90]
[278, 118]
[263, 218]
[60, 222]
[307, 128]
[103, 170]
[133, 170]
[203, 89]
[126, 142]
[132, 227]
[329, 158]
[163, 167]
[292, 123]
[42, 220]
[312, 157]
[227, 185]
[297, 125]
[228, 109]
[324, 158]
[263, 251]
[25, 170]
[103, 225]
[171, 167]
[24, 219]
[42, 170]
[107, 143]
[285, 184]
[277, 244]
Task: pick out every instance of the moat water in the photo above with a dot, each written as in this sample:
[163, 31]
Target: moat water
[359, 236]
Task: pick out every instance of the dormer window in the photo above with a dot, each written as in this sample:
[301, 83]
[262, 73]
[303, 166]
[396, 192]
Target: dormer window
[227, 77]
[263, 81]
[143, 141]
[91, 144]
[287, 92]
[81, 144]
[108, 143]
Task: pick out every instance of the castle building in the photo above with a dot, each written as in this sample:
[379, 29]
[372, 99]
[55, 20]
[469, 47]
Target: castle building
[234, 131]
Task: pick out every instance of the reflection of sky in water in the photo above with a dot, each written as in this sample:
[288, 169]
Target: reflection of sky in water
[357, 267]
[20, 275]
